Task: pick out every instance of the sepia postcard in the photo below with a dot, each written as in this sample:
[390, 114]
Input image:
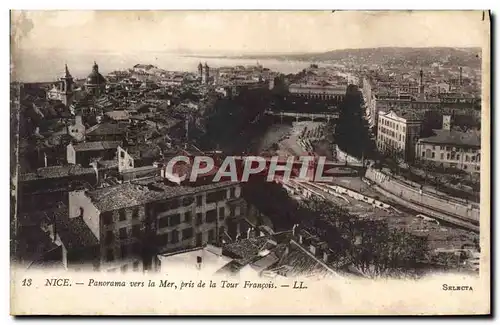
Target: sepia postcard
[250, 162]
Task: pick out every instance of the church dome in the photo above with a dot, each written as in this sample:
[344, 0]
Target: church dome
[95, 78]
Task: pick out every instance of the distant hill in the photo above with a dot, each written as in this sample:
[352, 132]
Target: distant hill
[388, 55]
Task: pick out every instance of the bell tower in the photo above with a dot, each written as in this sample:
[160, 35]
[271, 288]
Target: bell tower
[66, 91]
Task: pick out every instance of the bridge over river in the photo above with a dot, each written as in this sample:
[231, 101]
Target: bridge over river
[316, 116]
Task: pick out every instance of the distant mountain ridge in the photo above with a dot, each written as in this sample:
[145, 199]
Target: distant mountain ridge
[387, 55]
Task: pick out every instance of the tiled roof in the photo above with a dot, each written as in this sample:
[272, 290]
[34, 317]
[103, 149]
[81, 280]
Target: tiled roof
[118, 115]
[56, 172]
[129, 195]
[97, 145]
[297, 262]
[144, 151]
[108, 163]
[245, 249]
[75, 233]
[107, 129]
[470, 139]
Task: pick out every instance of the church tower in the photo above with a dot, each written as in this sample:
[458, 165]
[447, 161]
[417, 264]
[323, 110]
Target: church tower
[200, 70]
[67, 87]
[421, 94]
[206, 74]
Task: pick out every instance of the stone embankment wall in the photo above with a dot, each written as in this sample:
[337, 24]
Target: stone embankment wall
[441, 203]
[344, 156]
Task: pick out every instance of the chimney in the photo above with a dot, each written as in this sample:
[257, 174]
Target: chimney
[199, 261]
[294, 230]
[460, 77]
[313, 249]
[301, 239]
[447, 122]
[327, 256]
[250, 232]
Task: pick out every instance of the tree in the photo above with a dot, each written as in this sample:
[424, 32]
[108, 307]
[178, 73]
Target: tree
[371, 245]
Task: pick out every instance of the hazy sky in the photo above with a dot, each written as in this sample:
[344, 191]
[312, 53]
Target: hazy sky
[249, 31]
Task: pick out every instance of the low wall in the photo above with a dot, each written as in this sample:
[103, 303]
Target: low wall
[417, 196]
[360, 197]
[337, 191]
[344, 156]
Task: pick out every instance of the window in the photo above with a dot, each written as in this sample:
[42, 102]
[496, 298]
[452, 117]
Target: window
[222, 212]
[122, 154]
[211, 235]
[170, 205]
[174, 220]
[448, 156]
[123, 233]
[199, 239]
[221, 230]
[135, 213]
[163, 239]
[187, 233]
[442, 156]
[211, 215]
[473, 159]
[216, 196]
[467, 158]
[232, 192]
[175, 237]
[123, 215]
[107, 218]
[187, 216]
[433, 155]
[199, 219]
[163, 222]
[124, 251]
[136, 231]
[199, 200]
[423, 154]
[465, 167]
[458, 157]
[109, 255]
[187, 201]
[109, 237]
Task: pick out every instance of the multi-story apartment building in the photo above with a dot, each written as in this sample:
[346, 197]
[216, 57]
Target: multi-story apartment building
[327, 92]
[451, 148]
[131, 223]
[398, 132]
